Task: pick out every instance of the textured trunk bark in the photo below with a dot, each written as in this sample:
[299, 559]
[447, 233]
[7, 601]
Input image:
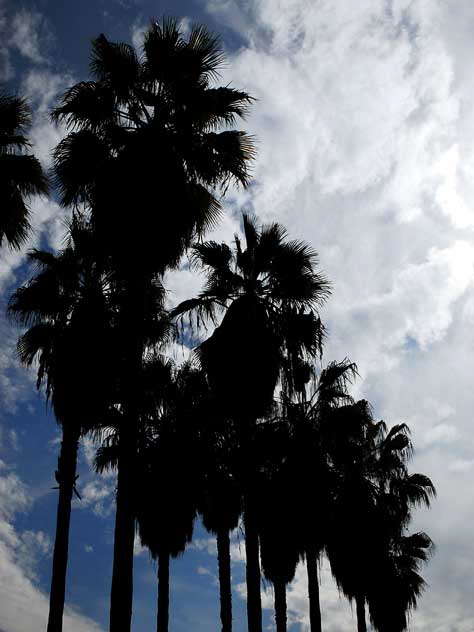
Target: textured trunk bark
[163, 592]
[254, 604]
[122, 573]
[360, 606]
[65, 476]
[313, 590]
[223, 560]
[279, 588]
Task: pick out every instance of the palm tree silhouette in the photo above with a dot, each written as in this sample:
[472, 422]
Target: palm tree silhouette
[269, 294]
[374, 484]
[168, 462]
[399, 583]
[278, 512]
[309, 459]
[349, 544]
[21, 174]
[170, 465]
[67, 311]
[220, 500]
[398, 557]
[146, 138]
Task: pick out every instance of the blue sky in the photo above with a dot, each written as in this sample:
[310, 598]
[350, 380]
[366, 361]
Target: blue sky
[365, 123]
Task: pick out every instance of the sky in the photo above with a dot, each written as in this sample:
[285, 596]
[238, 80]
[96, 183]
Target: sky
[364, 122]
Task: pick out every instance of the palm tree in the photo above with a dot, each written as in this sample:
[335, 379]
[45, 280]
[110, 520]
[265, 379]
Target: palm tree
[373, 483]
[21, 175]
[269, 294]
[399, 584]
[220, 501]
[169, 469]
[278, 513]
[147, 155]
[65, 307]
[170, 480]
[355, 436]
[397, 557]
[308, 460]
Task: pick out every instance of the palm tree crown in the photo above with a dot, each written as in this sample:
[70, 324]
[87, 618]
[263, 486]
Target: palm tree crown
[270, 293]
[147, 136]
[21, 175]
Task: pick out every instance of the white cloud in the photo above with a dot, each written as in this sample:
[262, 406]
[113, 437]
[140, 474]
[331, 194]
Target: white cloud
[30, 34]
[98, 495]
[137, 32]
[138, 548]
[202, 570]
[6, 68]
[23, 607]
[365, 124]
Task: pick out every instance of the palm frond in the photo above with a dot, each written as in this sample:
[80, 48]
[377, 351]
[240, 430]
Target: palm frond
[107, 457]
[37, 340]
[14, 115]
[86, 105]
[79, 159]
[22, 173]
[163, 45]
[116, 65]
[334, 382]
[251, 231]
[207, 50]
[213, 108]
[211, 254]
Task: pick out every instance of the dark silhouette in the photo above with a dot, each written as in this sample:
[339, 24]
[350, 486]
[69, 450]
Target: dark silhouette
[392, 598]
[278, 511]
[169, 467]
[145, 140]
[21, 175]
[66, 310]
[148, 155]
[308, 459]
[374, 484]
[269, 293]
[168, 479]
[220, 502]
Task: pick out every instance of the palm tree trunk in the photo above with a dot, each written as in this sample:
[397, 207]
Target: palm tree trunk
[360, 606]
[252, 571]
[163, 591]
[279, 588]
[313, 590]
[121, 597]
[122, 573]
[223, 560]
[65, 476]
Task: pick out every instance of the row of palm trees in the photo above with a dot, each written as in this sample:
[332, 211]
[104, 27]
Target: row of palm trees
[147, 156]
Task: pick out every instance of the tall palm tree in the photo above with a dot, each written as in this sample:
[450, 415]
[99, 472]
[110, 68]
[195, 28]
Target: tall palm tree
[269, 294]
[21, 175]
[278, 514]
[220, 501]
[353, 452]
[66, 309]
[399, 584]
[170, 479]
[147, 154]
[373, 482]
[308, 461]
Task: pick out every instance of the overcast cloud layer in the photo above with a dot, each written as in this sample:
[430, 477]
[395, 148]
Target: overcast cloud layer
[365, 128]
